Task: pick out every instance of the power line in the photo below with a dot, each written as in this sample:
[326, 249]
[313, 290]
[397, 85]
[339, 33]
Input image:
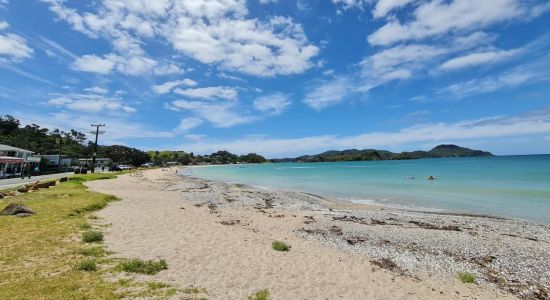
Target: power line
[97, 133]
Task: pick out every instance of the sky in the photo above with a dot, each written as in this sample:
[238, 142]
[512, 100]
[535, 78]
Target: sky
[282, 78]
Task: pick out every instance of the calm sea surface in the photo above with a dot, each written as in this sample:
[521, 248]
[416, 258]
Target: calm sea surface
[513, 186]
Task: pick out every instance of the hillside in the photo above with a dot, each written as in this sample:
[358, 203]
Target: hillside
[372, 154]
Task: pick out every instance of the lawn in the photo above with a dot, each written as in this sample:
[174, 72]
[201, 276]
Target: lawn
[44, 257]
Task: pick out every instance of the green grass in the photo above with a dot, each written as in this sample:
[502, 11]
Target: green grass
[42, 258]
[97, 251]
[260, 295]
[85, 225]
[92, 236]
[89, 265]
[466, 277]
[280, 246]
[38, 254]
[149, 267]
[157, 285]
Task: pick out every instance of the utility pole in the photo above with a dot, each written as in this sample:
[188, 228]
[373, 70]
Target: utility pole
[59, 157]
[96, 132]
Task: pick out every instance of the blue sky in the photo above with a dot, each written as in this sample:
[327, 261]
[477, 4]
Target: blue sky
[283, 78]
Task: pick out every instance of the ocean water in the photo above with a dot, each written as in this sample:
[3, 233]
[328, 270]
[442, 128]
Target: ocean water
[508, 186]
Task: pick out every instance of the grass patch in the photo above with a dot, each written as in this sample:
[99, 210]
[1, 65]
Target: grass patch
[260, 295]
[93, 251]
[157, 285]
[85, 225]
[92, 236]
[149, 267]
[466, 277]
[88, 265]
[280, 246]
[39, 254]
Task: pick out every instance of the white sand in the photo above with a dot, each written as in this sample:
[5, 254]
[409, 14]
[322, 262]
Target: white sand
[234, 261]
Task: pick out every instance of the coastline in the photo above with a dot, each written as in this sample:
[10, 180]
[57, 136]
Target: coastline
[359, 203]
[374, 246]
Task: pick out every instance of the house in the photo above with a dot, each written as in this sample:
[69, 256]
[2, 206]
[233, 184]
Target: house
[99, 162]
[53, 160]
[12, 161]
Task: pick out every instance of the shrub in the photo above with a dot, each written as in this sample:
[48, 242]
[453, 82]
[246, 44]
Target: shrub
[91, 236]
[88, 265]
[280, 246]
[148, 267]
[260, 295]
[466, 277]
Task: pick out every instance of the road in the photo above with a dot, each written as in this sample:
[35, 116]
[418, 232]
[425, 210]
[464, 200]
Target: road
[14, 182]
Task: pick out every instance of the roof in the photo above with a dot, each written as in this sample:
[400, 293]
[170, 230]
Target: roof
[10, 148]
[89, 159]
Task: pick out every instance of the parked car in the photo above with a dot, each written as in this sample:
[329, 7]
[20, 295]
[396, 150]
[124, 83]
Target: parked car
[125, 167]
[114, 169]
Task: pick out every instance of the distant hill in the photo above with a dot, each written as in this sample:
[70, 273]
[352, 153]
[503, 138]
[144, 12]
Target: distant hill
[372, 154]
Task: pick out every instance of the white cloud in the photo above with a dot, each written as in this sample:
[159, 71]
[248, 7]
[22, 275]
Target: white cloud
[97, 90]
[94, 64]
[13, 46]
[383, 7]
[532, 72]
[4, 25]
[213, 32]
[117, 131]
[90, 103]
[267, 1]
[478, 58]
[272, 104]
[170, 85]
[187, 124]
[213, 92]
[220, 115]
[439, 17]
[532, 123]
[328, 93]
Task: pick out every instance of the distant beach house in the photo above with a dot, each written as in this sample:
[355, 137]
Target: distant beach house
[12, 161]
[53, 160]
[99, 162]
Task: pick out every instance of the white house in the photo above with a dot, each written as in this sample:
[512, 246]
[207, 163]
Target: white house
[13, 159]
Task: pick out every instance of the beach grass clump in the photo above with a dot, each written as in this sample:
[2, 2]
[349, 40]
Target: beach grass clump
[157, 285]
[85, 225]
[92, 236]
[149, 267]
[260, 295]
[280, 246]
[466, 277]
[97, 251]
[88, 265]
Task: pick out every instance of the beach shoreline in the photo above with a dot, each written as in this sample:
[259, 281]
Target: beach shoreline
[373, 246]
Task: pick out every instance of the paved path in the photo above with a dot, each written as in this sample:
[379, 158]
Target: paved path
[14, 182]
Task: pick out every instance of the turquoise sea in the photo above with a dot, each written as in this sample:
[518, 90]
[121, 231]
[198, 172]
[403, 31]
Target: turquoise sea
[509, 186]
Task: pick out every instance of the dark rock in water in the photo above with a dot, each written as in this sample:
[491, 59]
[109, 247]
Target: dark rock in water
[1, 195]
[16, 209]
[23, 189]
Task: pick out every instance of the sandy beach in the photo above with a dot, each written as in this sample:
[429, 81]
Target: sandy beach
[218, 236]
